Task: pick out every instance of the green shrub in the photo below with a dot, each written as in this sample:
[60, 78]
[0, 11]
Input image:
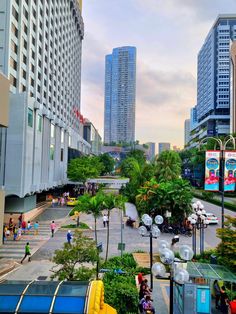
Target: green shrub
[126, 263]
[208, 196]
[217, 202]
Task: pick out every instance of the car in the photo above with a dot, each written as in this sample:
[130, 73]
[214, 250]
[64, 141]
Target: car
[212, 218]
[72, 201]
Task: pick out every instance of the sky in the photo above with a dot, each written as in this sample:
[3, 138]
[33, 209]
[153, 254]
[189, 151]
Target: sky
[168, 35]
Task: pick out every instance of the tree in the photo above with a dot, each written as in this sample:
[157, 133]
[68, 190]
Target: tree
[168, 166]
[83, 168]
[138, 154]
[108, 163]
[92, 205]
[156, 198]
[227, 248]
[138, 174]
[69, 261]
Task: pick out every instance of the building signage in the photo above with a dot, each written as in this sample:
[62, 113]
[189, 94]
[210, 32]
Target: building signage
[212, 170]
[230, 171]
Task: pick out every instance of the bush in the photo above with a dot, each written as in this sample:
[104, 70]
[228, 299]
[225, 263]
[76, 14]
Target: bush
[217, 202]
[120, 290]
[208, 196]
[205, 257]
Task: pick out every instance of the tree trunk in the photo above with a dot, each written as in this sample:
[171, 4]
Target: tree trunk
[95, 230]
[108, 231]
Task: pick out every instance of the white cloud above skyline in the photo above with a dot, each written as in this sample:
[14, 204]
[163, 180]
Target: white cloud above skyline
[168, 35]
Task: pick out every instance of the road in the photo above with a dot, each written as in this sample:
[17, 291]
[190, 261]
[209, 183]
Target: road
[211, 240]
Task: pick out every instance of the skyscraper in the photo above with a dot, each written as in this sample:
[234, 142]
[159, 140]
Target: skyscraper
[186, 131]
[120, 92]
[213, 82]
[40, 44]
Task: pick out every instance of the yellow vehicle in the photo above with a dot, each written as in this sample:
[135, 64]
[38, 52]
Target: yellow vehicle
[72, 201]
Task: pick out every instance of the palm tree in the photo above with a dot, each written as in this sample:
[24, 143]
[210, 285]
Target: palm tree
[92, 205]
[112, 201]
[168, 166]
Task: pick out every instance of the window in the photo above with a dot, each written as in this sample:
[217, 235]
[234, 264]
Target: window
[52, 149]
[23, 88]
[15, 13]
[30, 117]
[62, 136]
[13, 47]
[52, 130]
[25, 12]
[62, 153]
[24, 59]
[14, 30]
[24, 74]
[13, 63]
[13, 80]
[39, 123]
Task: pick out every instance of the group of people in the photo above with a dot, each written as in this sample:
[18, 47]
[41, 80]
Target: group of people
[145, 296]
[16, 230]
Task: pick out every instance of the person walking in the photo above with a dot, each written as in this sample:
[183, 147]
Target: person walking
[36, 228]
[104, 220]
[27, 253]
[20, 218]
[15, 232]
[29, 226]
[69, 237]
[216, 288]
[53, 227]
[224, 300]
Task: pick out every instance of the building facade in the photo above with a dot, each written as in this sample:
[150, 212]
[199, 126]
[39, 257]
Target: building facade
[162, 147]
[233, 89]
[186, 131]
[213, 81]
[92, 136]
[4, 92]
[151, 151]
[120, 96]
[40, 52]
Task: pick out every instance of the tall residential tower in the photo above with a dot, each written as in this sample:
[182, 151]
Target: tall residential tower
[120, 92]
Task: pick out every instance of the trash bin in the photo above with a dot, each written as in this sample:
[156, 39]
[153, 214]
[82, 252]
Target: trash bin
[213, 259]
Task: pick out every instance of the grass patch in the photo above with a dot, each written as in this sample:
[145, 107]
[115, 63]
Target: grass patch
[82, 225]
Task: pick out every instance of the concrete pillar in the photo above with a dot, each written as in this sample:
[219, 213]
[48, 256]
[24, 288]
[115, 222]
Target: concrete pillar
[2, 203]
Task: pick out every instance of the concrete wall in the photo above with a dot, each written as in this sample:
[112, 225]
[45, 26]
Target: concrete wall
[4, 100]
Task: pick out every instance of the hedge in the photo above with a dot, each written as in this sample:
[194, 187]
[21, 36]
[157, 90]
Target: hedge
[216, 202]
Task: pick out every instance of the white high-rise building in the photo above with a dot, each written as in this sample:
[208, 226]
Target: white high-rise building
[40, 52]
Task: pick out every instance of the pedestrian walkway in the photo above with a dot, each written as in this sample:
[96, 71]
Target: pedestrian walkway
[15, 249]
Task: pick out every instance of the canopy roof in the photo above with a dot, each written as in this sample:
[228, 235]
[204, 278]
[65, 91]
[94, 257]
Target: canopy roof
[210, 271]
[43, 297]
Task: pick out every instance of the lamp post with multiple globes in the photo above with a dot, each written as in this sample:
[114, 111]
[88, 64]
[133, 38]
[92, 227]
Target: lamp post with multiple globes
[199, 222]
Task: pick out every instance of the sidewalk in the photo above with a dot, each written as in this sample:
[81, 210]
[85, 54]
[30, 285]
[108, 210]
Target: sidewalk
[11, 252]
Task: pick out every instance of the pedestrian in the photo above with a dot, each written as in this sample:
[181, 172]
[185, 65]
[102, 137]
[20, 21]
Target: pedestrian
[69, 237]
[53, 202]
[53, 227]
[62, 201]
[15, 231]
[104, 220]
[216, 288]
[223, 300]
[147, 304]
[20, 218]
[29, 226]
[27, 253]
[18, 234]
[11, 225]
[36, 228]
[4, 234]
[23, 226]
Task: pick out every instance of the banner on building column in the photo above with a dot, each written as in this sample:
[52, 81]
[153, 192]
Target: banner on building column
[212, 170]
[230, 171]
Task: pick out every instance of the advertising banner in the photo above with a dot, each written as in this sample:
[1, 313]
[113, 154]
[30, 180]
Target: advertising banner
[212, 170]
[230, 171]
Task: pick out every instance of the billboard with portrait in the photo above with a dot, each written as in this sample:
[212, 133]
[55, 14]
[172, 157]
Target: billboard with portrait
[230, 171]
[212, 169]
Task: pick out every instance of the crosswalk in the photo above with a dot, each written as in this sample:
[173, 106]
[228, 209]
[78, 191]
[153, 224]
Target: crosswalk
[15, 249]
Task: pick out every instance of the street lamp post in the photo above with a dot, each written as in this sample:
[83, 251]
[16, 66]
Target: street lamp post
[222, 145]
[151, 230]
[178, 275]
[199, 222]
